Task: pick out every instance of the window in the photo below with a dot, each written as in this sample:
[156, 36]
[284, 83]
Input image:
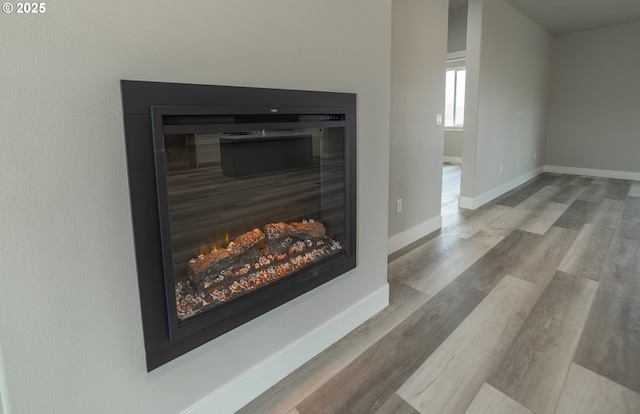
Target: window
[454, 97]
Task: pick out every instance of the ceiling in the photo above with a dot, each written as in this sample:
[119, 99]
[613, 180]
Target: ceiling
[560, 17]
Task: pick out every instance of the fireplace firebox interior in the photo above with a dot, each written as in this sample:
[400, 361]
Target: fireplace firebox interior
[242, 199]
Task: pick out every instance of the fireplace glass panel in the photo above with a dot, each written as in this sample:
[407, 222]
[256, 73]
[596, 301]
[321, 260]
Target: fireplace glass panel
[248, 208]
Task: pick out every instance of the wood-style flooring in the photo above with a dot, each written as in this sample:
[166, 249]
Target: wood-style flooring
[530, 304]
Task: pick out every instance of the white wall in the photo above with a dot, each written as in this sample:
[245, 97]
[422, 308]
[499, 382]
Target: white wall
[508, 62]
[419, 53]
[453, 143]
[69, 309]
[594, 107]
[457, 30]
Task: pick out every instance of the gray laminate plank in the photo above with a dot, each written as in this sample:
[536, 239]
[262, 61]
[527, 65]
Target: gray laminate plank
[487, 272]
[451, 377]
[540, 263]
[594, 192]
[491, 401]
[632, 209]
[576, 215]
[415, 245]
[367, 383]
[610, 343]
[561, 180]
[558, 180]
[450, 186]
[297, 386]
[587, 256]
[537, 364]
[568, 194]
[442, 262]
[606, 188]
[608, 213]
[539, 199]
[534, 214]
[539, 220]
[508, 222]
[523, 192]
[465, 225]
[586, 392]
[522, 254]
[618, 189]
[396, 405]
[420, 259]
[581, 181]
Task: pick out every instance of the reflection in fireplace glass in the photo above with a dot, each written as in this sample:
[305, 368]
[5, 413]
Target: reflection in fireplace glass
[250, 208]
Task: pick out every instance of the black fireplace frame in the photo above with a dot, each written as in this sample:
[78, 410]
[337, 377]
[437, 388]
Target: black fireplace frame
[165, 337]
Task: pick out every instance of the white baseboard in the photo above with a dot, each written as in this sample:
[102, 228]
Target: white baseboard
[484, 198]
[623, 175]
[4, 395]
[407, 237]
[240, 391]
[452, 160]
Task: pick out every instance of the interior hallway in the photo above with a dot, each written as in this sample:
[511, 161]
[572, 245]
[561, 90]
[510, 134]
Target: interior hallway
[450, 186]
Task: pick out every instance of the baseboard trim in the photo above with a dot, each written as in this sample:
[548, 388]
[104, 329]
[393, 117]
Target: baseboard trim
[622, 175]
[243, 389]
[466, 202]
[484, 198]
[407, 237]
[452, 160]
[4, 394]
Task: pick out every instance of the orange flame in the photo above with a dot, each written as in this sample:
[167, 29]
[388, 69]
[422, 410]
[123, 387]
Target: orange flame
[212, 247]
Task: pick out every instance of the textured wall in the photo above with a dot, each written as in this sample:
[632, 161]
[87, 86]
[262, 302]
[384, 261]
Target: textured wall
[69, 309]
[453, 143]
[508, 64]
[419, 53]
[457, 30]
[595, 100]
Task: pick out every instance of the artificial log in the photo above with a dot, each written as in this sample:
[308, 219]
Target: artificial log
[276, 239]
[307, 230]
[275, 231]
[278, 246]
[251, 261]
[209, 265]
[252, 239]
[302, 230]
[280, 235]
[249, 257]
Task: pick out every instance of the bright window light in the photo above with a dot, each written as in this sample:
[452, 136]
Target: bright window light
[454, 97]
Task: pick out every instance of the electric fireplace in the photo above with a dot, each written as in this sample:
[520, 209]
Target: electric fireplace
[242, 199]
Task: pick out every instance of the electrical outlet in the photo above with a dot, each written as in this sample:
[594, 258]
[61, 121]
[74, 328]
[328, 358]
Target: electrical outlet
[438, 119]
[500, 167]
[399, 205]
[534, 156]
